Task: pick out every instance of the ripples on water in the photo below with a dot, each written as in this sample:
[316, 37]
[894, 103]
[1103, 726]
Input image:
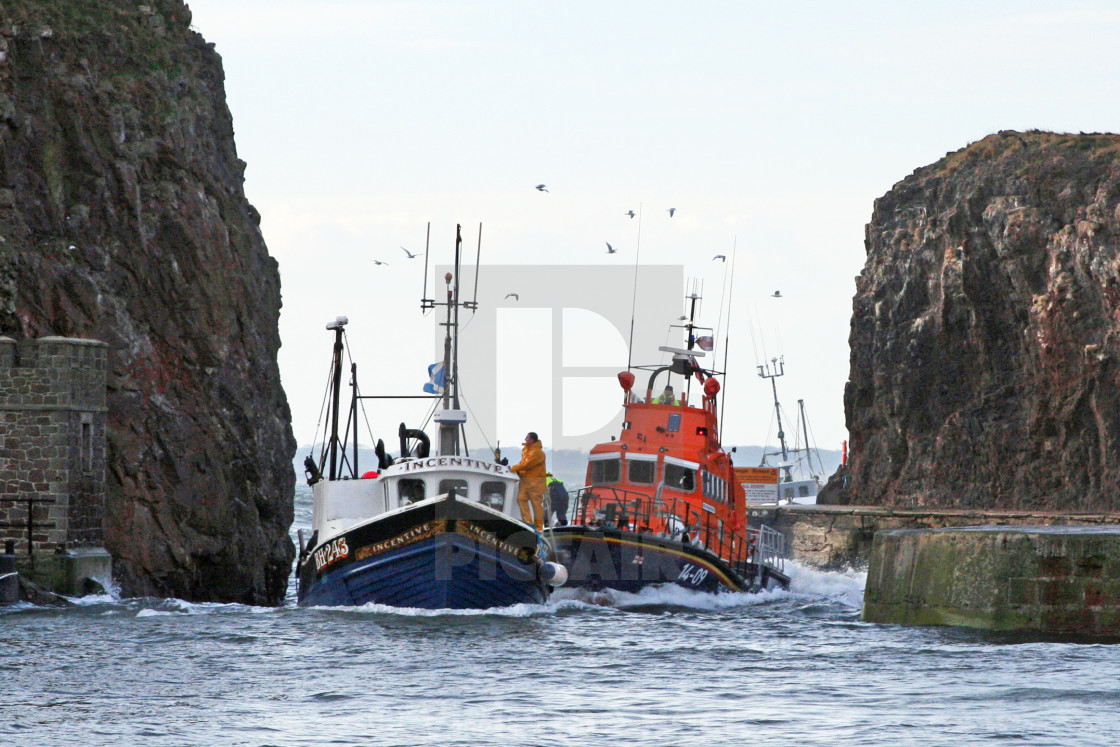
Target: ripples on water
[667, 667]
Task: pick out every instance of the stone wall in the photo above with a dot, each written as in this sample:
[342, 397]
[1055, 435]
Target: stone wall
[52, 441]
[841, 537]
[1054, 580]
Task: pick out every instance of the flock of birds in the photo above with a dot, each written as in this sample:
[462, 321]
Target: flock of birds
[610, 249]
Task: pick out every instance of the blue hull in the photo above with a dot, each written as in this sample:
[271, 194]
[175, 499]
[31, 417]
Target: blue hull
[446, 572]
[451, 556]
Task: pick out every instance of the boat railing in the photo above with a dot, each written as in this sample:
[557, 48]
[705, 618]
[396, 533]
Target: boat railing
[672, 518]
[770, 547]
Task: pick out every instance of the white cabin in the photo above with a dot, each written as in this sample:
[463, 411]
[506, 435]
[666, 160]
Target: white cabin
[341, 504]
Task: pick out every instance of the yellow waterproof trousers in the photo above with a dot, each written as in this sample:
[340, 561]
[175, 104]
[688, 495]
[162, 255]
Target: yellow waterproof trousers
[532, 492]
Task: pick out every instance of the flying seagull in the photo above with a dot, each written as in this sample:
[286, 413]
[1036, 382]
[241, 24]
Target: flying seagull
[410, 254]
[720, 257]
[631, 214]
[514, 295]
[610, 249]
[777, 294]
[670, 211]
[378, 262]
[540, 188]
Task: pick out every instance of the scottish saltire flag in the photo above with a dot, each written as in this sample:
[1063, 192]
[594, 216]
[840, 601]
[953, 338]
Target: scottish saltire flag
[436, 379]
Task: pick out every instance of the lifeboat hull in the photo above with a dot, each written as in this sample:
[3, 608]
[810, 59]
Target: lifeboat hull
[609, 558]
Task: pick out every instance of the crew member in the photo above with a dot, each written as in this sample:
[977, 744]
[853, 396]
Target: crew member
[531, 470]
[558, 497]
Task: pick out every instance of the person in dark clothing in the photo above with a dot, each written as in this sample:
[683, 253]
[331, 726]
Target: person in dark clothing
[558, 496]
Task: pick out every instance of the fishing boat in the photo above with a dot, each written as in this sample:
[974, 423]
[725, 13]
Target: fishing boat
[432, 528]
[662, 503]
[796, 478]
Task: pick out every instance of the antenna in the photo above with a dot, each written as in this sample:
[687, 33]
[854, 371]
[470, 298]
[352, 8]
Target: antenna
[477, 256]
[634, 297]
[727, 331]
[427, 244]
[766, 372]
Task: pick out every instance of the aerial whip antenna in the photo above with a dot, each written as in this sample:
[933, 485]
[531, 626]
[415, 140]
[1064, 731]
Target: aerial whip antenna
[477, 257]
[427, 244]
[634, 298]
[727, 330]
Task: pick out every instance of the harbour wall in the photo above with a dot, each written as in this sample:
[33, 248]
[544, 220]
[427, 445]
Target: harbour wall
[52, 459]
[1055, 580]
[841, 537]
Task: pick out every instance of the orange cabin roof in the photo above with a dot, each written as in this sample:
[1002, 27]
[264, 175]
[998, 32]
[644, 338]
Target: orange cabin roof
[689, 434]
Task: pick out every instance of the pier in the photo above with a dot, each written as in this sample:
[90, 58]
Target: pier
[841, 537]
[1057, 580]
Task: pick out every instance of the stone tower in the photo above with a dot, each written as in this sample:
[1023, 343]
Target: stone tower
[52, 455]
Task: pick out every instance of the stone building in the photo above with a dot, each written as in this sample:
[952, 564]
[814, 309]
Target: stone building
[52, 455]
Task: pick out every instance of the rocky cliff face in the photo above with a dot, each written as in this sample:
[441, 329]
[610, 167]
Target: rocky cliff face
[123, 217]
[985, 347]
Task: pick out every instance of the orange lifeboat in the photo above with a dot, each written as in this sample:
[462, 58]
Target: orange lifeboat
[662, 504]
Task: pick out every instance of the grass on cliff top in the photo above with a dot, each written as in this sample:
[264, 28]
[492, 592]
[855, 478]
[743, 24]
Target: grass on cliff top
[65, 17]
[1006, 141]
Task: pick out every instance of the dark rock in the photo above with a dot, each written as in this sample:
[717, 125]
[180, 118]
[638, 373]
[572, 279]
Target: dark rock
[984, 338]
[31, 592]
[92, 587]
[127, 222]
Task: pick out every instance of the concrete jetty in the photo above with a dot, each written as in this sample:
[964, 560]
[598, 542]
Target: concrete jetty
[1062, 580]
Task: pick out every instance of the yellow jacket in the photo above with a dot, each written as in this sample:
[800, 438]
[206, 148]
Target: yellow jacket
[532, 461]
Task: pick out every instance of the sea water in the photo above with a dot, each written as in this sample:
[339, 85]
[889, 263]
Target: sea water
[665, 667]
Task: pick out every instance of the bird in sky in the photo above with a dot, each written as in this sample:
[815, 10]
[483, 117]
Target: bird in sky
[720, 257]
[671, 211]
[514, 296]
[610, 249]
[378, 262]
[410, 254]
[541, 188]
[777, 294]
[631, 214]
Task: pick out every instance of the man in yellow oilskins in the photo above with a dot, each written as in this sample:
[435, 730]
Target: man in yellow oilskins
[532, 472]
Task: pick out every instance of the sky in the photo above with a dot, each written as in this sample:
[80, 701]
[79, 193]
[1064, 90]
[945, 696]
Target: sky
[771, 128]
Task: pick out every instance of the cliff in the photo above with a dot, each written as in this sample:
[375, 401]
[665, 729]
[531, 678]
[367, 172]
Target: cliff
[984, 337]
[123, 218]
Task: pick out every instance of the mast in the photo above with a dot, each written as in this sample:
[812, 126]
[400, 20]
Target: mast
[765, 372]
[336, 390]
[450, 418]
[805, 432]
[354, 411]
[449, 432]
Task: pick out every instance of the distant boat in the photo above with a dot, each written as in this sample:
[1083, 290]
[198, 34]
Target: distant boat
[428, 529]
[797, 475]
[662, 503]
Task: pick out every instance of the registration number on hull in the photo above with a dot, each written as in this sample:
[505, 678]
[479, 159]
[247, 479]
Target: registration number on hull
[692, 575]
[333, 551]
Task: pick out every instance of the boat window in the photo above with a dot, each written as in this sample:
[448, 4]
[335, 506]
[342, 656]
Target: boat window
[642, 473]
[605, 471]
[680, 478]
[494, 495]
[410, 490]
[674, 422]
[459, 486]
[714, 486]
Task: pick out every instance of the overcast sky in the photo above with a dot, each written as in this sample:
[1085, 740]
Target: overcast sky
[770, 127]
